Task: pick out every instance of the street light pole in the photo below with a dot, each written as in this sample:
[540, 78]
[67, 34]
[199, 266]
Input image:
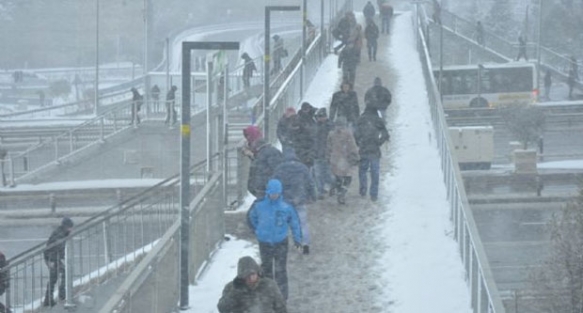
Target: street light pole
[96, 96]
[540, 21]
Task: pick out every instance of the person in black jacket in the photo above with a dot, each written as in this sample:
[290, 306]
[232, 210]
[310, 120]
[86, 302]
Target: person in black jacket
[265, 159]
[345, 103]
[378, 97]
[248, 69]
[304, 136]
[286, 128]
[371, 33]
[370, 135]
[4, 281]
[54, 256]
[170, 110]
[137, 101]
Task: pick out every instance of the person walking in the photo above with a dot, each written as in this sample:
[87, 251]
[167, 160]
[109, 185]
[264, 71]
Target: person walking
[322, 174]
[371, 33]
[271, 219]
[251, 292]
[480, 33]
[521, 48]
[170, 110]
[378, 97]
[137, 101]
[548, 83]
[287, 127]
[298, 190]
[4, 281]
[155, 93]
[348, 61]
[305, 135]
[342, 155]
[54, 255]
[369, 11]
[343, 30]
[386, 13]
[248, 69]
[345, 103]
[370, 135]
[263, 163]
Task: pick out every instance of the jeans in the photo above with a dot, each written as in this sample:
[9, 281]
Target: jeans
[322, 174]
[274, 263]
[366, 163]
[385, 20]
[303, 215]
[371, 46]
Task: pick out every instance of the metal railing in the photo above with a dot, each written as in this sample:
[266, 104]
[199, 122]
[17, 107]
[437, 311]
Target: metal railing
[483, 291]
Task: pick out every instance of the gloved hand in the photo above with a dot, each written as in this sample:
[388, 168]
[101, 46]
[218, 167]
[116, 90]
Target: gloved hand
[298, 246]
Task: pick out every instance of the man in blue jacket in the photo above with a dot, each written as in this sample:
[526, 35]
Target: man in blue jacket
[270, 219]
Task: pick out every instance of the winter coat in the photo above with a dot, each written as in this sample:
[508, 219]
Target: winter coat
[265, 297]
[298, 185]
[4, 276]
[370, 133]
[386, 10]
[323, 128]
[369, 10]
[57, 252]
[348, 58]
[342, 151]
[304, 137]
[371, 32]
[379, 97]
[137, 99]
[266, 159]
[345, 104]
[286, 129]
[249, 66]
[342, 31]
[271, 219]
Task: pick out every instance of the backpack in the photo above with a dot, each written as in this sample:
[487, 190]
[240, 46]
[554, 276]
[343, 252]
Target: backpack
[367, 132]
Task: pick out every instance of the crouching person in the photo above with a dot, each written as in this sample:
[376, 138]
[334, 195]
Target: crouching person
[250, 292]
[270, 219]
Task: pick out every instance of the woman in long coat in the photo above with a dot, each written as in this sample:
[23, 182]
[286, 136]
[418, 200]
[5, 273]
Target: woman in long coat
[342, 155]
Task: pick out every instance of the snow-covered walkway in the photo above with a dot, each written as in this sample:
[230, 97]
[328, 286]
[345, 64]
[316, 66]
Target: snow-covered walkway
[395, 255]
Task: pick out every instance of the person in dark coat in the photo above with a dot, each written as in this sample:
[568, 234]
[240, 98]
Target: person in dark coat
[298, 190]
[271, 219]
[287, 126]
[342, 155]
[369, 11]
[4, 281]
[265, 159]
[250, 292]
[371, 33]
[521, 48]
[304, 136]
[343, 30]
[155, 92]
[322, 173]
[345, 103]
[248, 69]
[348, 61]
[378, 97]
[370, 135]
[170, 110]
[548, 83]
[137, 101]
[54, 256]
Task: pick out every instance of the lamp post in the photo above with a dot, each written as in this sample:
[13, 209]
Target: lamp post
[266, 60]
[187, 48]
[96, 96]
[540, 21]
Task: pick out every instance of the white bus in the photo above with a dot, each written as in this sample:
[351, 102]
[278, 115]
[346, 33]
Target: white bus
[487, 85]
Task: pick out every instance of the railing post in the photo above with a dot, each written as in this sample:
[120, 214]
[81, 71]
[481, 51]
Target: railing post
[71, 145]
[102, 129]
[69, 270]
[11, 169]
[106, 242]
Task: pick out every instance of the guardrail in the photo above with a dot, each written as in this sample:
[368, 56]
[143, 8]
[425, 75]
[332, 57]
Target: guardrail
[483, 291]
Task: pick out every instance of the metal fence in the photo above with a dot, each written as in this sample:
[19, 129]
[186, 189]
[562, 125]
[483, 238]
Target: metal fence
[484, 293]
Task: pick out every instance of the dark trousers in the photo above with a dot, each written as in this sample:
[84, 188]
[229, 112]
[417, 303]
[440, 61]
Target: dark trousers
[522, 53]
[274, 263]
[56, 271]
[371, 46]
[170, 113]
[385, 22]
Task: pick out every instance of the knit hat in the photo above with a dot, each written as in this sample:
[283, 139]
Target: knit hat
[67, 222]
[321, 112]
[289, 112]
[246, 267]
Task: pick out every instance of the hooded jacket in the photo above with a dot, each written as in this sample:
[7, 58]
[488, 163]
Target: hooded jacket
[57, 252]
[298, 185]
[237, 297]
[271, 219]
[252, 134]
[266, 159]
[378, 96]
[370, 133]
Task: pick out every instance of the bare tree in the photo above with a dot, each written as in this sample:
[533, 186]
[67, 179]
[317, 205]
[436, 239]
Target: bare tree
[526, 123]
[560, 280]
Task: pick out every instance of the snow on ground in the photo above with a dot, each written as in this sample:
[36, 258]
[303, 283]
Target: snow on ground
[423, 268]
